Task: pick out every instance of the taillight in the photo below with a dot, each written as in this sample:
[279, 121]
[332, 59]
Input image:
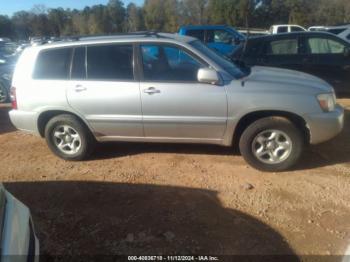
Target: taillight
[13, 97]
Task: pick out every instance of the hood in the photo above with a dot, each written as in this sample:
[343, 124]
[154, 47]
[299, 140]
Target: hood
[284, 78]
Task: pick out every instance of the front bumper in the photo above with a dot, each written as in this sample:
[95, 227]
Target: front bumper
[325, 126]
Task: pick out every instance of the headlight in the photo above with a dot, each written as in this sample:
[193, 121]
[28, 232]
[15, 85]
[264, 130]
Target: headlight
[2, 61]
[327, 102]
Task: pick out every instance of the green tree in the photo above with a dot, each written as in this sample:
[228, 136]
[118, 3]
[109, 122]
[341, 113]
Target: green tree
[134, 18]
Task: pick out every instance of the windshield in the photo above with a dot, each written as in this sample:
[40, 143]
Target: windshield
[223, 62]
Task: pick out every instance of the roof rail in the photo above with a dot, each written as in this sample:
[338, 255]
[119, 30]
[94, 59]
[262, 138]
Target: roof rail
[139, 33]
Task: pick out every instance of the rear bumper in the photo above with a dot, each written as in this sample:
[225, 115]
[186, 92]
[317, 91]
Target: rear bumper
[325, 126]
[23, 120]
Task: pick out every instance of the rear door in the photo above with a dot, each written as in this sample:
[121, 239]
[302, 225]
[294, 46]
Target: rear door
[328, 61]
[104, 89]
[283, 52]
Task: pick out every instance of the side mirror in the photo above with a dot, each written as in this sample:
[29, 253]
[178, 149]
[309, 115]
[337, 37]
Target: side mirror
[208, 76]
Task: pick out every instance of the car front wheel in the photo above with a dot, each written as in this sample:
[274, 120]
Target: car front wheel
[271, 144]
[68, 138]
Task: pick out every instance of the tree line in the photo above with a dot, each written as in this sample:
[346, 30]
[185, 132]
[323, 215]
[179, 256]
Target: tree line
[169, 15]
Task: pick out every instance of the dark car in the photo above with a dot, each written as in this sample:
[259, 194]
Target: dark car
[321, 54]
[6, 72]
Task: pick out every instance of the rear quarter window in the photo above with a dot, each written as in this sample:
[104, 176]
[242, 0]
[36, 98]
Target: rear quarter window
[199, 34]
[53, 64]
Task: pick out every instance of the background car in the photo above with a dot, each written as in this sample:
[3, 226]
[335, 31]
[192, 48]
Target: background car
[223, 39]
[17, 233]
[279, 29]
[321, 54]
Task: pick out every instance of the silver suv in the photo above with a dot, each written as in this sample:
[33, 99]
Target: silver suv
[168, 88]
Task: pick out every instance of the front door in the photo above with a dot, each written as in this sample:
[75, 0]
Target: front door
[103, 90]
[174, 104]
[329, 61]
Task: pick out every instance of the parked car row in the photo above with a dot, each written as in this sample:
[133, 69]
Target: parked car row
[321, 54]
[288, 46]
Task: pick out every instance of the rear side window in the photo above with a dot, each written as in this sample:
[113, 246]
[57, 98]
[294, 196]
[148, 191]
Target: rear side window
[219, 36]
[282, 29]
[110, 62]
[199, 34]
[78, 64]
[337, 31]
[324, 46]
[53, 64]
[283, 47]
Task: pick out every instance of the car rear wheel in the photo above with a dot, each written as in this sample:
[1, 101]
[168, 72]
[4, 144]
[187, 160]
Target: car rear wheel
[68, 138]
[4, 95]
[271, 144]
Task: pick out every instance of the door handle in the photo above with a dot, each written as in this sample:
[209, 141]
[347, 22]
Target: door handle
[151, 91]
[79, 88]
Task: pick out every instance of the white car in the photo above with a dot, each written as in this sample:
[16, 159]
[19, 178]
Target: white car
[17, 233]
[279, 29]
[317, 28]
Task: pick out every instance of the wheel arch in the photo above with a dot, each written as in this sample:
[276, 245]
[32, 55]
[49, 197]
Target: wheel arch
[251, 117]
[45, 117]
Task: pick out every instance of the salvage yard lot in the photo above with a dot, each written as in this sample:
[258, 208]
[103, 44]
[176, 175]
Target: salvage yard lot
[184, 199]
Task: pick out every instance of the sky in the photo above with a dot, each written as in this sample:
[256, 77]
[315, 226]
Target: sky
[8, 7]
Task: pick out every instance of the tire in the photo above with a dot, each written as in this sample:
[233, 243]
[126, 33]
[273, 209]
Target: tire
[271, 144]
[4, 94]
[69, 138]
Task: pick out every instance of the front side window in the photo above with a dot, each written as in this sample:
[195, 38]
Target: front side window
[110, 62]
[53, 64]
[324, 46]
[283, 47]
[168, 63]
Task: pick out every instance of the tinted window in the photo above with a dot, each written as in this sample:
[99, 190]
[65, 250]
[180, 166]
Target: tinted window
[230, 67]
[197, 34]
[78, 66]
[296, 29]
[324, 46]
[336, 31]
[283, 47]
[168, 63]
[53, 64]
[219, 36]
[109, 62]
[282, 29]
[348, 37]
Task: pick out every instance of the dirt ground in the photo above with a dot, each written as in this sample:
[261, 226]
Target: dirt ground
[179, 199]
